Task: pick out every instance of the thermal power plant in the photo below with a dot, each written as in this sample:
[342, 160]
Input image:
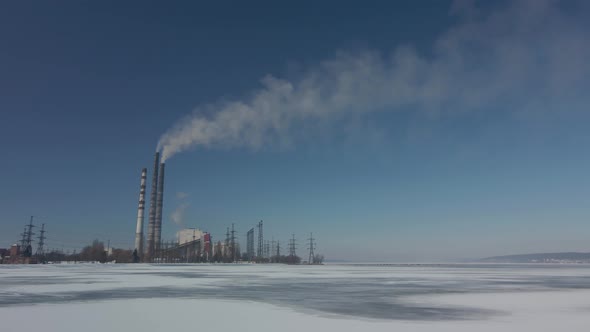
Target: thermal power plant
[188, 235]
[152, 212]
[159, 207]
[140, 214]
[192, 245]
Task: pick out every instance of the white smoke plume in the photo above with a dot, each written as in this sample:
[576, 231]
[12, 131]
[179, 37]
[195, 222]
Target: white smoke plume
[177, 216]
[529, 53]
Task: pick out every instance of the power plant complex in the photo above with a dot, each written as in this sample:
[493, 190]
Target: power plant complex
[191, 245]
[194, 245]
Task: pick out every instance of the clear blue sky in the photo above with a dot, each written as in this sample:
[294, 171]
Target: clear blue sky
[475, 143]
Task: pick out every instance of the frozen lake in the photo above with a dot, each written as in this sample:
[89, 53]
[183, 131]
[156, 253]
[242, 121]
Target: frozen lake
[447, 297]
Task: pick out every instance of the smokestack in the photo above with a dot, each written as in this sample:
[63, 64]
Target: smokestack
[140, 212]
[159, 206]
[152, 213]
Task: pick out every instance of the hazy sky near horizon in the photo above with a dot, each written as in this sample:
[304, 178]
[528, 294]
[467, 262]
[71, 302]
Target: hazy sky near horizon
[395, 131]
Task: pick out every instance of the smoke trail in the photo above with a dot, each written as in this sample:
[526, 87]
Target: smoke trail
[524, 55]
[177, 216]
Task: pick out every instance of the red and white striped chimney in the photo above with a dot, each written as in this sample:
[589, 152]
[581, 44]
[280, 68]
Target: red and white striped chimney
[140, 212]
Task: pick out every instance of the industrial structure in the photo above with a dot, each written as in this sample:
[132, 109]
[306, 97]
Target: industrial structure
[292, 247]
[233, 243]
[22, 253]
[259, 253]
[250, 244]
[140, 215]
[188, 235]
[152, 212]
[266, 250]
[192, 244]
[27, 239]
[41, 244]
[159, 207]
[154, 237]
[311, 247]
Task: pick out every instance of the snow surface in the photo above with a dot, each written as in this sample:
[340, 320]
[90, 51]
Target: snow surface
[93, 297]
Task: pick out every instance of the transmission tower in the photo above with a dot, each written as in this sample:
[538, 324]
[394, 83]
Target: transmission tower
[292, 247]
[233, 243]
[273, 250]
[40, 249]
[250, 244]
[226, 243]
[26, 248]
[311, 247]
[267, 249]
[23, 241]
[260, 253]
[278, 251]
[30, 233]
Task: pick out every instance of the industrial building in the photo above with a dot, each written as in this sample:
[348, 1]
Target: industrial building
[188, 235]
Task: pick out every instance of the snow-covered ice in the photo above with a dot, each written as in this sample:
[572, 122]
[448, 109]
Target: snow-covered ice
[452, 297]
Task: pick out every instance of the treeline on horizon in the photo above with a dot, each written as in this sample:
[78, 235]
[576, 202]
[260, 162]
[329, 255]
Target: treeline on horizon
[96, 252]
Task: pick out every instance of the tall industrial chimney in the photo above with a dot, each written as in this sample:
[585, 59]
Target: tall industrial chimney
[152, 213]
[159, 206]
[140, 211]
